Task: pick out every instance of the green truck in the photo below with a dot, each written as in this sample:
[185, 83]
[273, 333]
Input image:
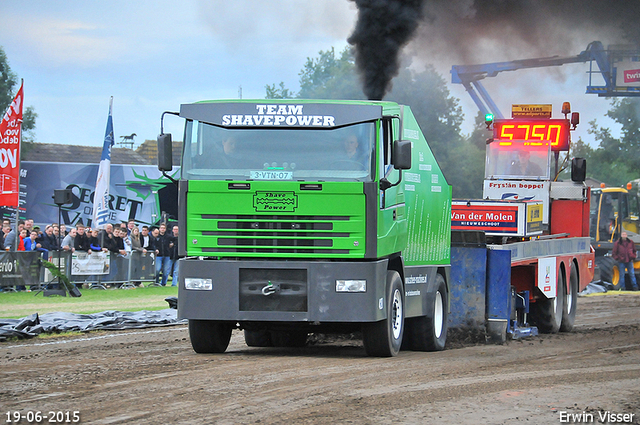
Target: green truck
[310, 216]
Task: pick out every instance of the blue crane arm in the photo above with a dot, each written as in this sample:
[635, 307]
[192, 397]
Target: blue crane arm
[470, 75]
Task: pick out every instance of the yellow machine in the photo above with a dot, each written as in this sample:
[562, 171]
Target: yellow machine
[613, 210]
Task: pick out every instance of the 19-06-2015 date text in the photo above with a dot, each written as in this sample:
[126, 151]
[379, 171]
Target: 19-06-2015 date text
[49, 417]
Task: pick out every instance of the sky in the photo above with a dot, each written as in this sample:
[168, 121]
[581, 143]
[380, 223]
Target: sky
[151, 56]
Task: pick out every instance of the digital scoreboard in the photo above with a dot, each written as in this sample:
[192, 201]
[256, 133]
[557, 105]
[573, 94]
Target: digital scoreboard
[556, 131]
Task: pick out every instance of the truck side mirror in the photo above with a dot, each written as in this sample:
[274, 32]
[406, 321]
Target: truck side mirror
[401, 155]
[165, 150]
[578, 169]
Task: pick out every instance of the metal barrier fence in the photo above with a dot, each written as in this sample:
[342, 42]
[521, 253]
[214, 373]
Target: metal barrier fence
[96, 270]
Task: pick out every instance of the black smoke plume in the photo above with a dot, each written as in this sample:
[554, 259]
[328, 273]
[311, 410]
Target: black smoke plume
[383, 28]
[448, 32]
[481, 31]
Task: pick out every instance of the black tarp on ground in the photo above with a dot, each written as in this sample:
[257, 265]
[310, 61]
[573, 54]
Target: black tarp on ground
[35, 324]
[596, 287]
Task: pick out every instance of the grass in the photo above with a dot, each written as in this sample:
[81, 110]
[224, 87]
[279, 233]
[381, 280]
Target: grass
[16, 305]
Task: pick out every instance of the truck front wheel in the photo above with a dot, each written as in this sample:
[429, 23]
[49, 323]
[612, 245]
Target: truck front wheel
[384, 338]
[209, 336]
[546, 313]
[429, 333]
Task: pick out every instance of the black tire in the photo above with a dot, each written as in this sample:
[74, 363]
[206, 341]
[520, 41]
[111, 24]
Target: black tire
[609, 271]
[289, 338]
[570, 301]
[384, 338]
[209, 336]
[547, 313]
[260, 338]
[429, 333]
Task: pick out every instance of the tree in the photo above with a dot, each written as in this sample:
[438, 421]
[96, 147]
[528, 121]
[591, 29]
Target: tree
[8, 88]
[7, 82]
[324, 77]
[280, 92]
[627, 113]
[330, 77]
[615, 161]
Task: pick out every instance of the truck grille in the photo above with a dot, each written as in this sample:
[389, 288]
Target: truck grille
[294, 234]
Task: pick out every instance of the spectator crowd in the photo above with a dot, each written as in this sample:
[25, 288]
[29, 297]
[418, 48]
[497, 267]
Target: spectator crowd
[120, 239]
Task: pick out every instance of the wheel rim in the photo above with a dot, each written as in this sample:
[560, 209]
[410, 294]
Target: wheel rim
[558, 304]
[396, 311]
[615, 275]
[438, 315]
[570, 298]
[573, 289]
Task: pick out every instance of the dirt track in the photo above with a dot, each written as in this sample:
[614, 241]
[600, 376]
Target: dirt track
[153, 376]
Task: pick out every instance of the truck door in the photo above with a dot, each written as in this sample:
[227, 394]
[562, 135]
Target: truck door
[391, 216]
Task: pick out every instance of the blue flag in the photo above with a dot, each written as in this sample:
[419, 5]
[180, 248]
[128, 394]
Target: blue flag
[101, 196]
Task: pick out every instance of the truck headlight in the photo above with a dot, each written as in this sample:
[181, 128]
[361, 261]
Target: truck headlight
[351, 286]
[198, 284]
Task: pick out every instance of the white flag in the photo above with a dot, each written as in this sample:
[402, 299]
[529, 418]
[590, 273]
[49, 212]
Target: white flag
[101, 195]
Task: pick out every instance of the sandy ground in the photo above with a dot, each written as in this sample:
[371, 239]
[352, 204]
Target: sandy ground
[152, 376]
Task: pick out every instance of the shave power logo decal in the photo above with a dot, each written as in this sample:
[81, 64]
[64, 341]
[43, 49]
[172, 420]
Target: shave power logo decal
[275, 201]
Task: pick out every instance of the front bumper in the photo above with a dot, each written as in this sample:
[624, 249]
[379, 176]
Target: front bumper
[291, 291]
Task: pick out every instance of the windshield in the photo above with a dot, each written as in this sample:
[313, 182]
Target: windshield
[517, 159]
[341, 154]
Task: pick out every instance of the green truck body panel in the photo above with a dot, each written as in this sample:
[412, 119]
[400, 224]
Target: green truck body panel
[424, 232]
[275, 219]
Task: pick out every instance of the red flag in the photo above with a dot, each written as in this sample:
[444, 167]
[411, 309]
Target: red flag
[10, 129]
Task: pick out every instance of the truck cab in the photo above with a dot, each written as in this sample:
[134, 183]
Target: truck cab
[310, 216]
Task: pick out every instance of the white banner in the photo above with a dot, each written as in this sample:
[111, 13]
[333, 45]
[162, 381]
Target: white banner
[519, 190]
[95, 263]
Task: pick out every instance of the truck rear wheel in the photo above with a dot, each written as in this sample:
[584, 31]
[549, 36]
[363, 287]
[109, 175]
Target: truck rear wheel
[384, 338]
[546, 313]
[209, 336]
[429, 333]
[570, 301]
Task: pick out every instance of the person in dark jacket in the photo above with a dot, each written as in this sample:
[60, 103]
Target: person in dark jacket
[106, 239]
[173, 255]
[163, 248]
[146, 240]
[624, 252]
[48, 239]
[81, 241]
[109, 240]
[94, 242]
[118, 239]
